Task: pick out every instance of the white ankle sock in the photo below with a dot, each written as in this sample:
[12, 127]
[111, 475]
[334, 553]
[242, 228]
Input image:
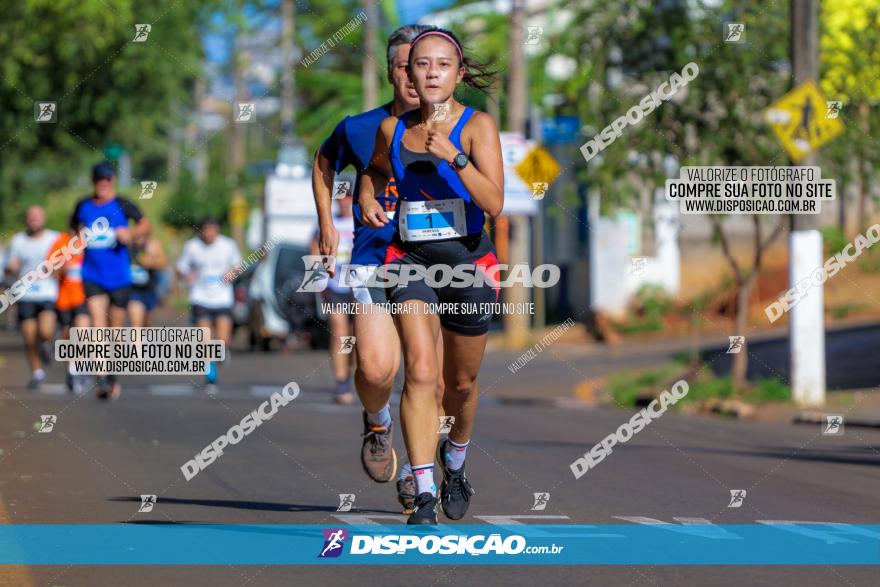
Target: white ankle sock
[455, 454]
[380, 418]
[424, 475]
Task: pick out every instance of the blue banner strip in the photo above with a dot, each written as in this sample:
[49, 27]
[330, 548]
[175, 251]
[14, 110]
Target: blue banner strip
[282, 544]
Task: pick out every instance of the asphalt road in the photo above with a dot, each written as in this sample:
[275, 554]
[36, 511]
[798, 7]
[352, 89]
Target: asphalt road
[99, 458]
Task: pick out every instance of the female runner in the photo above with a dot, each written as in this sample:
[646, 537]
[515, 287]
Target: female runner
[446, 161]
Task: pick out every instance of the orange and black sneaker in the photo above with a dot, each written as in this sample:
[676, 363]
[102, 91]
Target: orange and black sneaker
[377, 455]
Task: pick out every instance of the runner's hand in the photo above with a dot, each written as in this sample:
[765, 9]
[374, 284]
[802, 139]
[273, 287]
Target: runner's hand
[372, 214]
[123, 235]
[439, 144]
[328, 241]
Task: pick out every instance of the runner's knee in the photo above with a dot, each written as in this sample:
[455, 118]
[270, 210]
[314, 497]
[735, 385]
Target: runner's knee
[376, 372]
[461, 384]
[422, 375]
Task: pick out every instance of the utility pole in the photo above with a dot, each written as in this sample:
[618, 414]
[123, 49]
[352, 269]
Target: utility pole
[516, 325]
[288, 12]
[237, 145]
[807, 318]
[370, 75]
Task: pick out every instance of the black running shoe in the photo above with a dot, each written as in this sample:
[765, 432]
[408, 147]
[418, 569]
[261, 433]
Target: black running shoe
[102, 388]
[455, 490]
[426, 510]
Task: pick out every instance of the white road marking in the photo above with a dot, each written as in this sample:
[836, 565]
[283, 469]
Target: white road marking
[172, 389]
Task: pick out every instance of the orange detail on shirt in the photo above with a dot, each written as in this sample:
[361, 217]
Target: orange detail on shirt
[70, 290]
[390, 189]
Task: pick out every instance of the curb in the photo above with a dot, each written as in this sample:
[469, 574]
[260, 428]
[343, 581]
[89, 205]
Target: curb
[819, 418]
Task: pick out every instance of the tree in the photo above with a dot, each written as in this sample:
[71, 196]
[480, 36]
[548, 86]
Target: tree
[108, 89]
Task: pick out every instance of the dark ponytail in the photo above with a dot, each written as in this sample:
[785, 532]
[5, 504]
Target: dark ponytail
[476, 74]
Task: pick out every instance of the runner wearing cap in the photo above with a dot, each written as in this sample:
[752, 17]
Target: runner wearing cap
[106, 271]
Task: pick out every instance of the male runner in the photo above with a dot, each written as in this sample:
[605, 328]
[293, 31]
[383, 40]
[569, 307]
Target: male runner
[204, 262]
[106, 269]
[36, 308]
[377, 348]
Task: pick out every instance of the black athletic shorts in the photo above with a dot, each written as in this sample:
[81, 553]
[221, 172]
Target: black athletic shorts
[203, 313]
[67, 317]
[337, 297]
[30, 310]
[476, 250]
[118, 297]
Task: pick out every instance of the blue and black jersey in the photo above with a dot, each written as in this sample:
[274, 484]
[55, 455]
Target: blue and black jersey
[352, 143]
[106, 261]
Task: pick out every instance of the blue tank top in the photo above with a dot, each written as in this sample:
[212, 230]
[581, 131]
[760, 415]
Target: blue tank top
[434, 181]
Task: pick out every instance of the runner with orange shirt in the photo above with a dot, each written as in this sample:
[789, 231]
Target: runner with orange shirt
[71, 303]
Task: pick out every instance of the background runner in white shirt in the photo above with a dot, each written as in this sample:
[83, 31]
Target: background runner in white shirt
[204, 264]
[36, 307]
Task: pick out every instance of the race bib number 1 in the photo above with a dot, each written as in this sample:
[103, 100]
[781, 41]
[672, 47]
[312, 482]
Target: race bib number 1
[433, 220]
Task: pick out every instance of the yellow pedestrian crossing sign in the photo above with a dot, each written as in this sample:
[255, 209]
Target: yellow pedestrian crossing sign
[803, 121]
[538, 166]
[238, 210]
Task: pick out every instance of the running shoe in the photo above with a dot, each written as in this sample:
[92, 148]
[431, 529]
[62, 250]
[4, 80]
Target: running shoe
[406, 493]
[102, 388]
[425, 510]
[344, 399]
[210, 388]
[455, 490]
[108, 388]
[80, 384]
[211, 373]
[377, 455]
[37, 380]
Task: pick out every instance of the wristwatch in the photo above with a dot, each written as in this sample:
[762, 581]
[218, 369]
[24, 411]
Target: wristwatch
[460, 161]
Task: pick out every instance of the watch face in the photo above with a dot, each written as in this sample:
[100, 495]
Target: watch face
[460, 160]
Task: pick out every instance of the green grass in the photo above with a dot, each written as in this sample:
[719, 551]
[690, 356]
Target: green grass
[844, 310]
[626, 388]
[650, 305]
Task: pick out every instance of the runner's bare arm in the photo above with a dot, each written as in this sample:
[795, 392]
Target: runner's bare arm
[484, 178]
[376, 176]
[154, 255]
[142, 227]
[322, 184]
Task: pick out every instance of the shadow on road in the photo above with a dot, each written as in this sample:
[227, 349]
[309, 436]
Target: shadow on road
[850, 455]
[253, 505]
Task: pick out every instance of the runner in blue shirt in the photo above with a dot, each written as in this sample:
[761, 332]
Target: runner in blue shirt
[106, 268]
[377, 347]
